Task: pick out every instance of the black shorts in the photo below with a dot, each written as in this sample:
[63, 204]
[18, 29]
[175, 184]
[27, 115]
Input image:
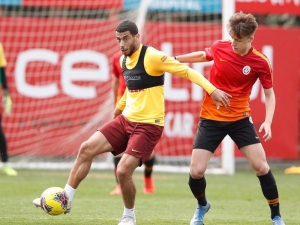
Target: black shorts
[210, 133]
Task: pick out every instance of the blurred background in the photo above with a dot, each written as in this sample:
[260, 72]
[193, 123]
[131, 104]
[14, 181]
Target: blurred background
[59, 57]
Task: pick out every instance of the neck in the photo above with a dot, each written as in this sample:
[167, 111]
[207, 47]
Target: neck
[137, 47]
[246, 51]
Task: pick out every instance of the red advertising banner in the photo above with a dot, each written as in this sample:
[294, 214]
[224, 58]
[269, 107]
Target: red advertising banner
[268, 6]
[60, 83]
[59, 79]
[75, 4]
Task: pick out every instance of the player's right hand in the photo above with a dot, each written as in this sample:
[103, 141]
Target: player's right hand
[220, 96]
[117, 112]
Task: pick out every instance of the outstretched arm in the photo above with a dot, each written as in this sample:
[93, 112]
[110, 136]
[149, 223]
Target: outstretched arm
[192, 57]
[165, 63]
[217, 95]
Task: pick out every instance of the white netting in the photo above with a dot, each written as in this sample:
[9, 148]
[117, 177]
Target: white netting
[59, 72]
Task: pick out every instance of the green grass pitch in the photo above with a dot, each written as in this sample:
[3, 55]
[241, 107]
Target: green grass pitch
[236, 200]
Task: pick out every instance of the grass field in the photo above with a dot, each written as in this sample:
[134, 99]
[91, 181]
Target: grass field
[236, 200]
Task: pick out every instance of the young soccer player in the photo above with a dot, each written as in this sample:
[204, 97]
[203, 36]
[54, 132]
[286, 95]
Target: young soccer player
[237, 66]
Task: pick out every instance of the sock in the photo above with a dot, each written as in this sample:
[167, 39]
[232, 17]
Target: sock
[129, 212]
[197, 187]
[149, 167]
[70, 191]
[115, 171]
[269, 189]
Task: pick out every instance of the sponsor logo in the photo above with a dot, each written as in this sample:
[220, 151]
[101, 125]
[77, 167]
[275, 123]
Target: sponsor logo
[246, 70]
[157, 121]
[133, 150]
[223, 60]
[163, 59]
[132, 77]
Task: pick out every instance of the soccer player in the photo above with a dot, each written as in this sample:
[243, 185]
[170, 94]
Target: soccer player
[119, 86]
[139, 115]
[6, 169]
[237, 66]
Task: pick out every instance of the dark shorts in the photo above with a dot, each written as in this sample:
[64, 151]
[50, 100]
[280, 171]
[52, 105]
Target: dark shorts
[210, 133]
[137, 139]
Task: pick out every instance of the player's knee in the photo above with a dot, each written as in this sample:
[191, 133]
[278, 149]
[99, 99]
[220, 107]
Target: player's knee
[261, 169]
[85, 151]
[121, 173]
[196, 172]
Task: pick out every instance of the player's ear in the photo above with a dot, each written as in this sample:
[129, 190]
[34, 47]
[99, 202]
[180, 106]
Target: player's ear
[251, 38]
[137, 36]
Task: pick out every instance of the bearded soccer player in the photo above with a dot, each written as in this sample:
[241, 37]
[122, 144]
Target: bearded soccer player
[237, 66]
[139, 115]
[119, 86]
[6, 169]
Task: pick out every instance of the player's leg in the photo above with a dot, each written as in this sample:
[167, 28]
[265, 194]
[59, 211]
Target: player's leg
[109, 138]
[141, 143]
[6, 169]
[199, 162]
[117, 189]
[246, 138]
[112, 137]
[208, 137]
[95, 145]
[126, 167]
[257, 159]
[149, 187]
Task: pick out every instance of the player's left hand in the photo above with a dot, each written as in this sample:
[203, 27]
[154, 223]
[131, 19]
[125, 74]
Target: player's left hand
[7, 103]
[267, 128]
[220, 96]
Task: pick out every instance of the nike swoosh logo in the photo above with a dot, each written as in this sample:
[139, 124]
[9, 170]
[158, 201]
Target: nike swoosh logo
[256, 137]
[223, 60]
[133, 150]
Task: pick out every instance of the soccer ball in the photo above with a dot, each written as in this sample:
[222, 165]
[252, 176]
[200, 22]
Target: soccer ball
[54, 201]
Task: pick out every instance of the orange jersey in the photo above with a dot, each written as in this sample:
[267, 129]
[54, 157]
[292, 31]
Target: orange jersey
[235, 75]
[117, 72]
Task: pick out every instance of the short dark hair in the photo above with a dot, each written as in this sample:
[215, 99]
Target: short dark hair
[242, 24]
[127, 26]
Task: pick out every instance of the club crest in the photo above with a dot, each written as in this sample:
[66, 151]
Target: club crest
[246, 70]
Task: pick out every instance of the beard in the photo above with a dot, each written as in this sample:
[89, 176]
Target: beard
[131, 50]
